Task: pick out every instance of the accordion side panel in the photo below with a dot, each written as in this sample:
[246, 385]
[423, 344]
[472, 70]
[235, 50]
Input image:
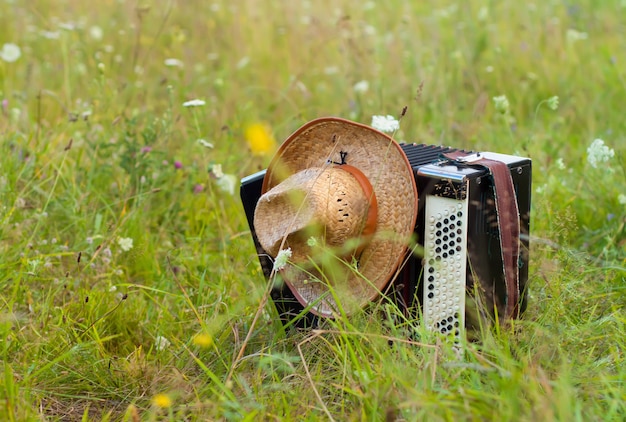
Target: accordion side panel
[522, 180]
[445, 258]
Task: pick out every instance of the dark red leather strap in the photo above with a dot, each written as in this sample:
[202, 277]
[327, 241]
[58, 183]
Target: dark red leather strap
[507, 213]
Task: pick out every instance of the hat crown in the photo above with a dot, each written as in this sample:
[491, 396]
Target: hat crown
[333, 204]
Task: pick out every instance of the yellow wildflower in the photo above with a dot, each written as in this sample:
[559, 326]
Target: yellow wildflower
[162, 400]
[260, 139]
[203, 340]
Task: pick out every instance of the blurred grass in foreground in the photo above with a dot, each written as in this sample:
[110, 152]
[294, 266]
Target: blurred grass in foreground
[128, 277]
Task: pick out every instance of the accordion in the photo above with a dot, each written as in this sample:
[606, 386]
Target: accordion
[459, 255]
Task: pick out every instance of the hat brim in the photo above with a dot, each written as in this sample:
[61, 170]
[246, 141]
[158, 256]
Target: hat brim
[333, 140]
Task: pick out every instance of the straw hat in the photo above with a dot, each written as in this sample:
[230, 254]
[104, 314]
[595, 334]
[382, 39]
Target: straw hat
[342, 197]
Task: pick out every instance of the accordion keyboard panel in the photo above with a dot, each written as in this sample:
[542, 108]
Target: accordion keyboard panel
[445, 264]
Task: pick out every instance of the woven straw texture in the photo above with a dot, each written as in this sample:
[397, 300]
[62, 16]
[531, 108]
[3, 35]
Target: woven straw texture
[316, 145]
[321, 202]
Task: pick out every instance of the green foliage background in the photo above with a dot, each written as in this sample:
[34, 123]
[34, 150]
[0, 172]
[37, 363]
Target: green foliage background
[95, 145]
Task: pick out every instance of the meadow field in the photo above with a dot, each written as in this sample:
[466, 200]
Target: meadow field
[129, 285]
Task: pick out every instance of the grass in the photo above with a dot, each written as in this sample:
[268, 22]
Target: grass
[97, 147]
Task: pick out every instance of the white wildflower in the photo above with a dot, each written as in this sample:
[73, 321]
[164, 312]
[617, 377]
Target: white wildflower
[621, 198]
[361, 87]
[560, 164]
[216, 171]
[385, 123]
[599, 153]
[446, 12]
[281, 259]
[369, 5]
[483, 14]
[553, 102]
[15, 114]
[312, 241]
[50, 35]
[34, 263]
[194, 103]
[573, 35]
[501, 103]
[96, 32]
[227, 183]
[68, 26]
[161, 343]
[10, 52]
[173, 63]
[243, 62]
[126, 243]
[369, 30]
[205, 143]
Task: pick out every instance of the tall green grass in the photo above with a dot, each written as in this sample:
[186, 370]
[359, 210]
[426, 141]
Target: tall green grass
[96, 148]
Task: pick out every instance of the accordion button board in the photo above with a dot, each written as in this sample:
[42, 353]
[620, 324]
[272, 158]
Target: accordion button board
[445, 258]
